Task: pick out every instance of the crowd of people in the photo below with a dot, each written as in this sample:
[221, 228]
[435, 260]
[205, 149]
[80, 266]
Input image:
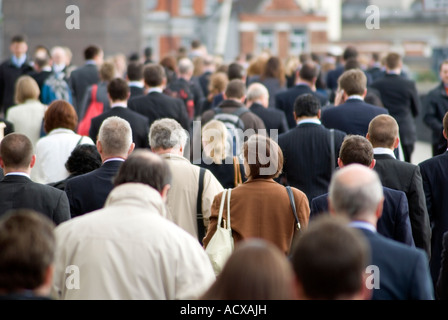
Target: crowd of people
[113, 175]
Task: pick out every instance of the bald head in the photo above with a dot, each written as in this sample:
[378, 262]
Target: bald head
[383, 132]
[258, 93]
[356, 192]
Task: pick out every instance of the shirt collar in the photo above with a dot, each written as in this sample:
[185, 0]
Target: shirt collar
[113, 159]
[362, 225]
[155, 89]
[18, 61]
[355, 96]
[137, 84]
[18, 174]
[118, 104]
[384, 151]
[90, 62]
[315, 121]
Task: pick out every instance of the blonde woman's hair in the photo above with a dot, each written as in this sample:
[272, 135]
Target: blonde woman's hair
[214, 138]
[26, 88]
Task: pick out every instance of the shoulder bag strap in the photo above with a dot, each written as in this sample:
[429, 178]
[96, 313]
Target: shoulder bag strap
[332, 150]
[293, 205]
[229, 191]
[221, 207]
[237, 171]
[200, 217]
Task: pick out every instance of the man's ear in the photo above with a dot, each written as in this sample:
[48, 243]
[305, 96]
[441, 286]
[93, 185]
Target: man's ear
[2, 164]
[131, 148]
[99, 147]
[33, 161]
[397, 142]
[372, 164]
[340, 163]
[319, 113]
[295, 116]
[444, 134]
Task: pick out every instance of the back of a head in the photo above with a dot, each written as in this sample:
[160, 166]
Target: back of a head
[352, 63]
[84, 158]
[60, 114]
[118, 89]
[143, 166]
[353, 81]
[356, 149]
[91, 52]
[256, 270]
[393, 61]
[383, 131]
[307, 105]
[166, 134]
[26, 88]
[350, 52]
[27, 248]
[107, 71]
[329, 260]
[115, 135]
[214, 138]
[135, 71]
[274, 69]
[309, 71]
[236, 89]
[147, 52]
[218, 82]
[263, 157]
[257, 91]
[185, 66]
[16, 151]
[154, 74]
[235, 71]
[355, 191]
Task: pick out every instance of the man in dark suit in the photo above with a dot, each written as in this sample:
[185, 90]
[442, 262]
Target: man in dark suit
[394, 222]
[18, 191]
[442, 282]
[11, 69]
[435, 184]
[436, 105]
[400, 175]
[310, 153]
[375, 69]
[333, 75]
[118, 92]
[351, 114]
[306, 82]
[397, 271]
[85, 76]
[399, 96]
[89, 191]
[134, 76]
[155, 104]
[257, 100]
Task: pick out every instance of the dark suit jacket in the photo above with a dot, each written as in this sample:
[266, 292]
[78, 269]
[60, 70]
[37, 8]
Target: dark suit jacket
[273, 119]
[352, 117]
[307, 157]
[403, 270]
[442, 282]
[394, 222]
[80, 79]
[19, 192]
[399, 96]
[400, 175]
[435, 184]
[285, 101]
[156, 105]
[136, 92]
[332, 77]
[88, 192]
[436, 105]
[139, 125]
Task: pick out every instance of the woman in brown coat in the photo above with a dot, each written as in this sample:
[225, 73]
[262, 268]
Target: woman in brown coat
[260, 207]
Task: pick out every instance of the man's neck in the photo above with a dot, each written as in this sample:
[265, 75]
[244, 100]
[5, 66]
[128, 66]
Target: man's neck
[14, 170]
[175, 151]
[298, 119]
[259, 102]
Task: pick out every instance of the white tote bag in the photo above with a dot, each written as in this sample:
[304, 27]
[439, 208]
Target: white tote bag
[220, 246]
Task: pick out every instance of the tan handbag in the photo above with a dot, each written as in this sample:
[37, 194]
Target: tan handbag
[236, 168]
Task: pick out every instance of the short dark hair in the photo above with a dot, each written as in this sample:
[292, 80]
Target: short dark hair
[154, 74]
[353, 81]
[135, 71]
[329, 259]
[118, 89]
[350, 52]
[18, 38]
[352, 63]
[235, 89]
[309, 70]
[393, 60]
[60, 114]
[356, 149]
[383, 130]
[144, 166]
[27, 249]
[84, 158]
[235, 71]
[16, 150]
[91, 52]
[307, 105]
[147, 52]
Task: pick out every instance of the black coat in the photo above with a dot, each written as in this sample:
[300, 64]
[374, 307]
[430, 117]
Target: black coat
[80, 79]
[19, 192]
[436, 105]
[273, 119]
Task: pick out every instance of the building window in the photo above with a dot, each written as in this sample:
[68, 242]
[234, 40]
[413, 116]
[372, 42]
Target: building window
[210, 7]
[297, 41]
[186, 8]
[266, 41]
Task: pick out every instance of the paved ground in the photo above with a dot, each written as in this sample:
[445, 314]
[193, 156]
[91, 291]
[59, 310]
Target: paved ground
[422, 152]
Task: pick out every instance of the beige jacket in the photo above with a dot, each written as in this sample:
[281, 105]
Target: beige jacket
[182, 196]
[128, 250]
